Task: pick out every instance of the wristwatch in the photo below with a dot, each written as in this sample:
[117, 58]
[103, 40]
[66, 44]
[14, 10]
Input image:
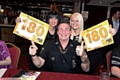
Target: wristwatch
[33, 55]
[84, 59]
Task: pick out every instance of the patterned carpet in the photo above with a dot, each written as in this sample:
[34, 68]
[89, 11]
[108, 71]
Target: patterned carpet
[23, 63]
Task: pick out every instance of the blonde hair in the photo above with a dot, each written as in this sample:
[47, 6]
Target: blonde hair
[80, 19]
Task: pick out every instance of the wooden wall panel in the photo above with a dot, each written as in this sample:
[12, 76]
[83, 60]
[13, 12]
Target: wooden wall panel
[96, 15]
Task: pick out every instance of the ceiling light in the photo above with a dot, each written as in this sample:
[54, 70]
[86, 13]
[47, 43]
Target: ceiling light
[100, 2]
[15, 2]
[38, 4]
[2, 10]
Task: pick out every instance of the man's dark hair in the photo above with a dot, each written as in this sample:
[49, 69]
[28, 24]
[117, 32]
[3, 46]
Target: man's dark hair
[66, 23]
[114, 11]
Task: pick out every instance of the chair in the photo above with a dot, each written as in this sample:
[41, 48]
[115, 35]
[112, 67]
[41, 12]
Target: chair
[15, 54]
[108, 56]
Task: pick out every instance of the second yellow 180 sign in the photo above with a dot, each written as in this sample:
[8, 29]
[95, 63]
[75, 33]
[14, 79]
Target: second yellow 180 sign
[97, 36]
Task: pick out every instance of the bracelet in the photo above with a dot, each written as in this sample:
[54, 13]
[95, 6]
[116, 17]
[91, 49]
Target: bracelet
[33, 55]
[85, 61]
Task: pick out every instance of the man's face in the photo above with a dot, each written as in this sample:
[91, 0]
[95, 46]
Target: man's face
[117, 14]
[64, 31]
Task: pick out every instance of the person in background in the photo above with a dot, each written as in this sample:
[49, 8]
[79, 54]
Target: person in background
[115, 48]
[1, 16]
[95, 56]
[60, 11]
[5, 59]
[8, 19]
[77, 23]
[114, 21]
[115, 62]
[53, 19]
[60, 54]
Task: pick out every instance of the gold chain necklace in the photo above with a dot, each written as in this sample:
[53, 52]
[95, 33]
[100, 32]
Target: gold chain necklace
[63, 51]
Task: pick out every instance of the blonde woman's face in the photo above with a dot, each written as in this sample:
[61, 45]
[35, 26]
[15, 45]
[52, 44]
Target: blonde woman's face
[74, 22]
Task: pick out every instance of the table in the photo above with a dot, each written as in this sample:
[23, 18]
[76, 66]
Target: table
[56, 76]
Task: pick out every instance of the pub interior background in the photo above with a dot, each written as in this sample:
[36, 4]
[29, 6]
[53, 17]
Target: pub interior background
[40, 8]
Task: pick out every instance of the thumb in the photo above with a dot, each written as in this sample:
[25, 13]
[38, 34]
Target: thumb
[33, 45]
[110, 26]
[32, 42]
[82, 43]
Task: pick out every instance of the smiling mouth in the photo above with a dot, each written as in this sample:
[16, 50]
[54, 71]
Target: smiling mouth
[53, 23]
[64, 35]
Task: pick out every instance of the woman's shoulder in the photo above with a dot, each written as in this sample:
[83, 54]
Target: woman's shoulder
[50, 41]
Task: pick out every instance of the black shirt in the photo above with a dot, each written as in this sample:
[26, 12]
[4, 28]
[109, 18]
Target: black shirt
[48, 37]
[115, 57]
[59, 60]
[51, 36]
[76, 38]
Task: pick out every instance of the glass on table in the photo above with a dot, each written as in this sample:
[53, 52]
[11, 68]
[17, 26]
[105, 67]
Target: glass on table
[104, 74]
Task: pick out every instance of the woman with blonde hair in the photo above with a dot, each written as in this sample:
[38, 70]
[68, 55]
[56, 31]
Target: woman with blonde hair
[77, 23]
[95, 56]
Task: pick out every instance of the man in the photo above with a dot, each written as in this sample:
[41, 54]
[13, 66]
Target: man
[59, 55]
[114, 21]
[115, 57]
[115, 62]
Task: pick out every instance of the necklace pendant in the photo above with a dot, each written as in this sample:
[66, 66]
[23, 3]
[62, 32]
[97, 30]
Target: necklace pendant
[62, 51]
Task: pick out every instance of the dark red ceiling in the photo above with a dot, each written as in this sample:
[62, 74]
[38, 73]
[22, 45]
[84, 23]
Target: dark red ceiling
[40, 1]
[23, 3]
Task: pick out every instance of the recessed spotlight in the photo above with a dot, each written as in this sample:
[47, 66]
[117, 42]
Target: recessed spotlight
[38, 4]
[15, 2]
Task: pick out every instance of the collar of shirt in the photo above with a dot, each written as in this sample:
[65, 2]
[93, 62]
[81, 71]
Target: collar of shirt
[69, 43]
[115, 24]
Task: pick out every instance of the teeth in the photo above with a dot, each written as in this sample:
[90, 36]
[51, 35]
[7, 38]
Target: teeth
[63, 35]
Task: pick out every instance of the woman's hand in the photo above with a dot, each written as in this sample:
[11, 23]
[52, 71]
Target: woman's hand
[112, 30]
[18, 19]
[33, 49]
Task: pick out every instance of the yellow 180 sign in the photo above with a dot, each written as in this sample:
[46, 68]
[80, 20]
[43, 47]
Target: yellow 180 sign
[31, 28]
[97, 36]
